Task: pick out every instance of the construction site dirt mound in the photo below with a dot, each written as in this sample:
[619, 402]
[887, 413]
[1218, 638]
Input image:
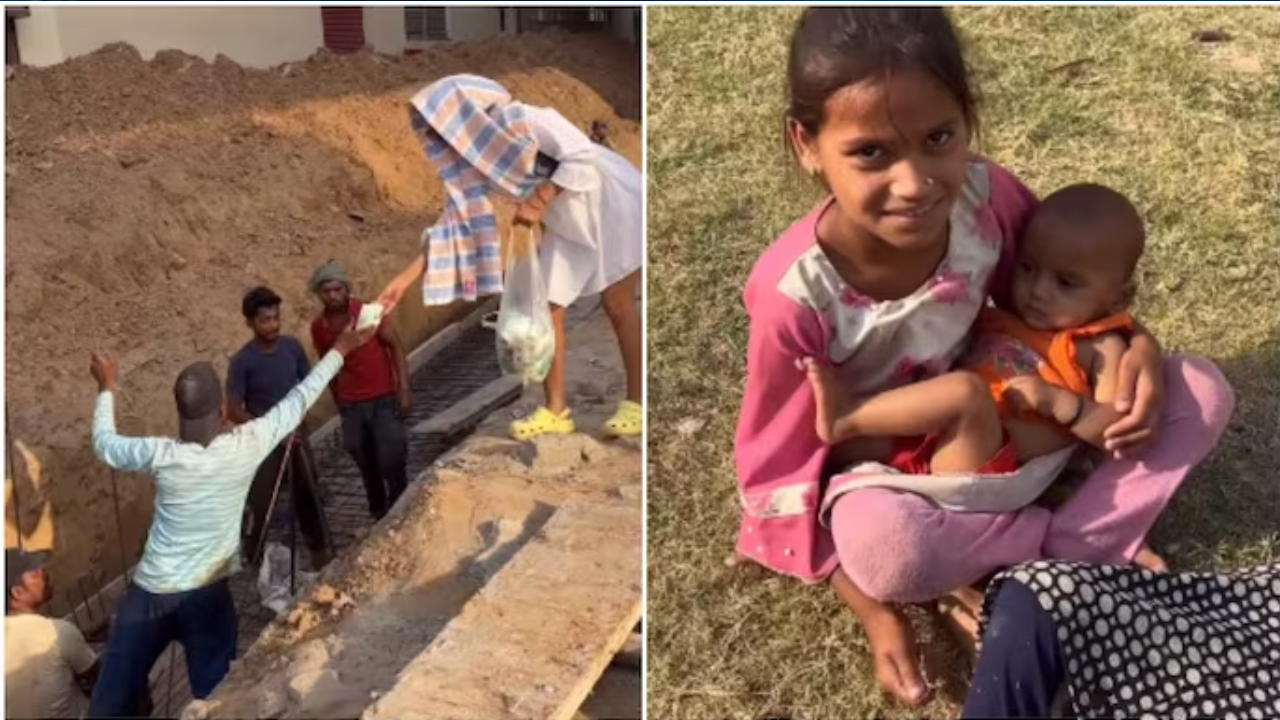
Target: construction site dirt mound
[144, 198]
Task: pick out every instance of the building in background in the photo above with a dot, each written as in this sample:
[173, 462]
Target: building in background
[261, 37]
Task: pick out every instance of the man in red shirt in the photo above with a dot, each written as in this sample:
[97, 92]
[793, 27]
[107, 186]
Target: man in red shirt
[371, 391]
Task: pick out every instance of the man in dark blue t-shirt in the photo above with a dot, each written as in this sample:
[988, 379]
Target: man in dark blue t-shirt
[262, 373]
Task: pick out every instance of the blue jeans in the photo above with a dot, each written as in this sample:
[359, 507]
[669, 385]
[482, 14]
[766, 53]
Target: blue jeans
[203, 621]
[1021, 667]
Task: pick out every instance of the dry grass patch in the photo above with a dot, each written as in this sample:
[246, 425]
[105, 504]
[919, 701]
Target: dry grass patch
[1116, 95]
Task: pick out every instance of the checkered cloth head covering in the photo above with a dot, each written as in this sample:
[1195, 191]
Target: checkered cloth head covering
[480, 142]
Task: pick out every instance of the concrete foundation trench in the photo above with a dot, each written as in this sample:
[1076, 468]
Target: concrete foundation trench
[482, 527]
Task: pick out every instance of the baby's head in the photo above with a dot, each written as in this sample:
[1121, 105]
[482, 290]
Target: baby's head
[1077, 258]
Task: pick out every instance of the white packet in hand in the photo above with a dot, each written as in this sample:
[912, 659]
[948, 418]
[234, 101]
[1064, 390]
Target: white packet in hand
[370, 316]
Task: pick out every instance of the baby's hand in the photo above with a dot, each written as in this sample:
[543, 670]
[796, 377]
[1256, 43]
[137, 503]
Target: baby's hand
[1029, 393]
[1032, 393]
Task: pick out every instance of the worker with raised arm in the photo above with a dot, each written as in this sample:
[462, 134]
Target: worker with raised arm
[180, 588]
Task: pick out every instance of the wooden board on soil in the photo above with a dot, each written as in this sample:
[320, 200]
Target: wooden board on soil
[535, 640]
[473, 408]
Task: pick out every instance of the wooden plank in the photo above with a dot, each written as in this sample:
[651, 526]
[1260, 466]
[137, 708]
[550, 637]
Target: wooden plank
[536, 639]
[446, 335]
[473, 407]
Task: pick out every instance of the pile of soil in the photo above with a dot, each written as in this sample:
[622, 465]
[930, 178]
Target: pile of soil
[144, 198]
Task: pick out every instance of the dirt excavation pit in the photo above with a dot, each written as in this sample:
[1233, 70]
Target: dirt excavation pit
[144, 198]
[382, 604]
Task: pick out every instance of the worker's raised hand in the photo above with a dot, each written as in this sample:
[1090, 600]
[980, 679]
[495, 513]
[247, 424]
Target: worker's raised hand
[350, 339]
[104, 369]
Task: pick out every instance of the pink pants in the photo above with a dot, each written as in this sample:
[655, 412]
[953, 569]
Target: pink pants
[898, 547]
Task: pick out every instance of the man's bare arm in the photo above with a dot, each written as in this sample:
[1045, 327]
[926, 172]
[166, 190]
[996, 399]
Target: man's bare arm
[321, 349]
[391, 341]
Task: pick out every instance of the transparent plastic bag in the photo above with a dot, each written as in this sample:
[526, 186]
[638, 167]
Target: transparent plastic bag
[525, 335]
[273, 578]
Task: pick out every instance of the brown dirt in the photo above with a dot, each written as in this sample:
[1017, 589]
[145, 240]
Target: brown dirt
[143, 198]
[380, 604]
[408, 580]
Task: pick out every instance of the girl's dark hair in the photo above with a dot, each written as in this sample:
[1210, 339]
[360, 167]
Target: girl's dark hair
[835, 47]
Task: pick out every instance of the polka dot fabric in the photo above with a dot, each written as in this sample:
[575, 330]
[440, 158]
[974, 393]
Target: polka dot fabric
[1150, 645]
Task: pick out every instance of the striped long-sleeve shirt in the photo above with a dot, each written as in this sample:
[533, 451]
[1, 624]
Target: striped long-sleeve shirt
[200, 491]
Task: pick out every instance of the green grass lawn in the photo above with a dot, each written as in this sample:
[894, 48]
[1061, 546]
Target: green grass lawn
[1122, 96]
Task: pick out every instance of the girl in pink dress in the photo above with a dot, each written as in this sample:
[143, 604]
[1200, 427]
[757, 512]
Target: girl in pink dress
[883, 281]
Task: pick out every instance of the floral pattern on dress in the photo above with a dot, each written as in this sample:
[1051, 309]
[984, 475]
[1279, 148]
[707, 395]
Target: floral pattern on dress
[988, 226]
[907, 369]
[950, 287]
[852, 298]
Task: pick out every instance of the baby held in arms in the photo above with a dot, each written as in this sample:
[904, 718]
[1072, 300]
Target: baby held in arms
[1032, 382]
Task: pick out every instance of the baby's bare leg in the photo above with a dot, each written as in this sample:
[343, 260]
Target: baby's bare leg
[956, 406]
[975, 433]
[922, 408]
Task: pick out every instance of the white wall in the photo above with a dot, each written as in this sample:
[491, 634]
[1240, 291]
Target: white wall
[473, 23]
[251, 36]
[384, 25]
[38, 41]
[384, 28]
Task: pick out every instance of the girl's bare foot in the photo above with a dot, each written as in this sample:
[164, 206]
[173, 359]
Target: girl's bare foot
[893, 645]
[970, 598]
[825, 396]
[1147, 558]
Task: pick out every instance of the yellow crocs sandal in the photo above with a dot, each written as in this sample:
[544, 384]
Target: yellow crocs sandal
[629, 420]
[543, 422]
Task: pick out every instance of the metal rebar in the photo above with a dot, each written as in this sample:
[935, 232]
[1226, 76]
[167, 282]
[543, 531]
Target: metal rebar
[293, 528]
[75, 616]
[124, 559]
[102, 603]
[275, 495]
[168, 701]
[84, 599]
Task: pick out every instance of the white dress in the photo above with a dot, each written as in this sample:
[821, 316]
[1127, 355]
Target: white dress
[594, 228]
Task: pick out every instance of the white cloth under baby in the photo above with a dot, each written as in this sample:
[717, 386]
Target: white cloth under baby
[961, 492]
